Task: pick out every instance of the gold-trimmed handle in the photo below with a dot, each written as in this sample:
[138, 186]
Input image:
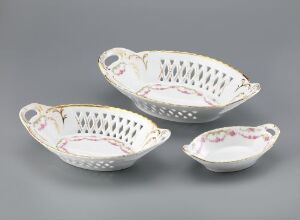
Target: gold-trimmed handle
[31, 107]
[158, 136]
[42, 115]
[163, 135]
[271, 127]
[248, 90]
[121, 53]
[253, 90]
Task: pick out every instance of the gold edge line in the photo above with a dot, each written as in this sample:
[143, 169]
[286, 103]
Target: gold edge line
[266, 148]
[104, 73]
[58, 152]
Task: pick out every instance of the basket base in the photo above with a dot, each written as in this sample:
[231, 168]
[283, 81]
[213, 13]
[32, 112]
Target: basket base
[231, 169]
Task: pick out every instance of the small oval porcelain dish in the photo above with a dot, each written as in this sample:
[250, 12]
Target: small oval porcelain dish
[176, 86]
[232, 148]
[93, 137]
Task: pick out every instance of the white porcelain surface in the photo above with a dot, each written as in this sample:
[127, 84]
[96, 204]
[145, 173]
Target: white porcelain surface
[232, 148]
[93, 137]
[177, 86]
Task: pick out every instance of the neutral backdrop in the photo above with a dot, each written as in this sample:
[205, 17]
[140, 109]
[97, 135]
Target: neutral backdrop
[48, 54]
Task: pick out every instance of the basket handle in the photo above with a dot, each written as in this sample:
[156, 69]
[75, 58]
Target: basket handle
[31, 107]
[251, 89]
[40, 111]
[120, 53]
[275, 131]
[158, 136]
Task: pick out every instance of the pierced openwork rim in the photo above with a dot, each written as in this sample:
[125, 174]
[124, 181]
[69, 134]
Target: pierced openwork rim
[267, 147]
[68, 154]
[122, 88]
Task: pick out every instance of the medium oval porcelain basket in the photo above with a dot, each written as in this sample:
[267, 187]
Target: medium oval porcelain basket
[177, 86]
[93, 137]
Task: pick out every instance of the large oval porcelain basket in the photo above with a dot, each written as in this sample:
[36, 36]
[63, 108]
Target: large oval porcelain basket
[176, 86]
[93, 137]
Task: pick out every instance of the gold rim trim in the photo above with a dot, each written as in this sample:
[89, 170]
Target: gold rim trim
[116, 85]
[59, 153]
[266, 148]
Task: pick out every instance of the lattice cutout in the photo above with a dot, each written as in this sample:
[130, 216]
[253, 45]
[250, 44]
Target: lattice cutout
[194, 74]
[108, 125]
[90, 164]
[168, 112]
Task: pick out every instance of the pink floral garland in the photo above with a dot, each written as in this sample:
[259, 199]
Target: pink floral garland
[231, 133]
[42, 122]
[146, 90]
[119, 69]
[63, 142]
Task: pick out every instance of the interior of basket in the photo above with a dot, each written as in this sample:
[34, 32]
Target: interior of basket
[93, 123]
[180, 77]
[231, 143]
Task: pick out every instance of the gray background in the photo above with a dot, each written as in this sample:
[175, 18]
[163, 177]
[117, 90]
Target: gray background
[48, 54]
